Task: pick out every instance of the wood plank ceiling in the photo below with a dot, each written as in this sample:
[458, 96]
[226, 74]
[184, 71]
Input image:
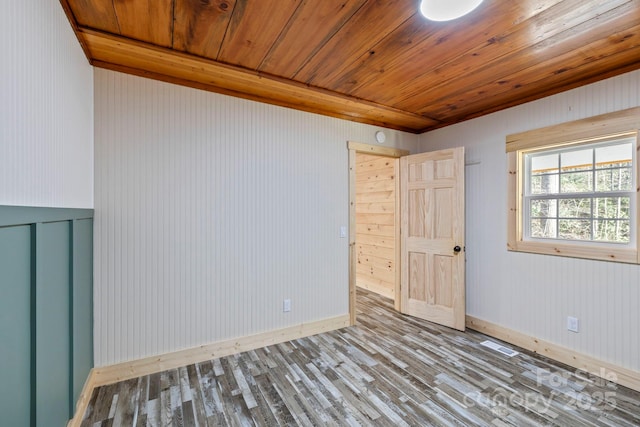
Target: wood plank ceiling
[372, 61]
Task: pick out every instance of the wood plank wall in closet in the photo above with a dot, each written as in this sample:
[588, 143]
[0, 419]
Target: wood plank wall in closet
[375, 223]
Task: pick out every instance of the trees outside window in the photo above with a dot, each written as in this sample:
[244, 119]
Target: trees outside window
[582, 193]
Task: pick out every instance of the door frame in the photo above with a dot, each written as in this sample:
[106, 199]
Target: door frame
[396, 153]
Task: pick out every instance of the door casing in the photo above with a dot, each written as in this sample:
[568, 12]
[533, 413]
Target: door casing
[357, 147]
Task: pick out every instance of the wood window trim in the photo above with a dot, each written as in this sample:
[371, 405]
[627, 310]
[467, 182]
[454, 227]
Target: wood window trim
[585, 130]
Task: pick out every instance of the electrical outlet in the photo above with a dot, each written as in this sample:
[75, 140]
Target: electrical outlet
[286, 305]
[572, 324]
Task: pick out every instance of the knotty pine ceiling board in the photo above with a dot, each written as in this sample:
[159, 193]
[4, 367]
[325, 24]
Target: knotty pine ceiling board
[465, 108]
[297, 44]
[563, 68]
[342, 51]
[371, 61]
[146, 20]
[99, 15]
[200, 27]
[249, 36]
[458, 55]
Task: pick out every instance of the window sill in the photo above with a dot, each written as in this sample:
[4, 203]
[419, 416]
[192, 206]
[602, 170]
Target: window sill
[604, 253]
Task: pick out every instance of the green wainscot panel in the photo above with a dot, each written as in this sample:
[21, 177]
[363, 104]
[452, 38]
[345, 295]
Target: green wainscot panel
[53, 342]
[82, 304]
[46, 313]
[15, 325]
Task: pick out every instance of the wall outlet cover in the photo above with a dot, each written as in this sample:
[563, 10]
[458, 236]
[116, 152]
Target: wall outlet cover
[572, 324]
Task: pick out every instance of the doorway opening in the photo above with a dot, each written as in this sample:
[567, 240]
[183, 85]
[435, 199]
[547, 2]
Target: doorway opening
[422, 269]
[374, 206]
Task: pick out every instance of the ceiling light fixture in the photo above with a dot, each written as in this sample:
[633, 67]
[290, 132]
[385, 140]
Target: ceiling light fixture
[446, 10]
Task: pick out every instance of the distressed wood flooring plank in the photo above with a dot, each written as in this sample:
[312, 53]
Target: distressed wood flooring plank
[188, 414]
[311, 389]
[166, 414]
[208, 390]
[299, 414]
[196, 396]
[270, 399]
[96, 396]
[363, 407]
[154, 386]
[260, 413]
[143, 398]
[303, 399]
[103, 404]
[241, 380]
[127, 407]
[89, 412]
[153, 412]
[315, 392]
[185, 386]
[233, 410]
[388, 370]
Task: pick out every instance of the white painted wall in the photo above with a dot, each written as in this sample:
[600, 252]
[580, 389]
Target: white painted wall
[46, 109]
[211, 210]
[534, 294]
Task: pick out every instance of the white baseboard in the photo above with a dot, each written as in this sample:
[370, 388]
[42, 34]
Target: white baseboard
[622, 376]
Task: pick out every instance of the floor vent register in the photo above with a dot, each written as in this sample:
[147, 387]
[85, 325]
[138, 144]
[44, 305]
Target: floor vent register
[500, 348]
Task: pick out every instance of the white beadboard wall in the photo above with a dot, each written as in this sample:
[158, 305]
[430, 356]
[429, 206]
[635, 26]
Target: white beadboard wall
[46, 109]
[529, 293]
[209, 212]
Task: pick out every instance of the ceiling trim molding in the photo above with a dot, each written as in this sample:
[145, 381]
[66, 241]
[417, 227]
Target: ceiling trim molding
[142, 59]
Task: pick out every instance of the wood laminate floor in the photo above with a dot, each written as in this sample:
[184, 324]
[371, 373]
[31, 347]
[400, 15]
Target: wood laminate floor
[389, 370]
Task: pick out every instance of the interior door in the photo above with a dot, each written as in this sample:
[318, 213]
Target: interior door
[432, 236]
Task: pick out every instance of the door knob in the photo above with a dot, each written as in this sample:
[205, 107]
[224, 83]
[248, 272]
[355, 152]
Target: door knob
[457, 249]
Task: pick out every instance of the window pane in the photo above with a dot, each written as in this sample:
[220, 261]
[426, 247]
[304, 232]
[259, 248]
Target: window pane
[574, 229]
[611, 207]
[544, 164]
[614, 155]
[575, 208]
[542, 228]
[544, 208]
[544, 184]
[581, 192]
[616, 179]
[576, 160]
[612, 231]
[576, 182]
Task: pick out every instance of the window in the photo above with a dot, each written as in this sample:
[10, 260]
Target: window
[576, 197]
[582, 193]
